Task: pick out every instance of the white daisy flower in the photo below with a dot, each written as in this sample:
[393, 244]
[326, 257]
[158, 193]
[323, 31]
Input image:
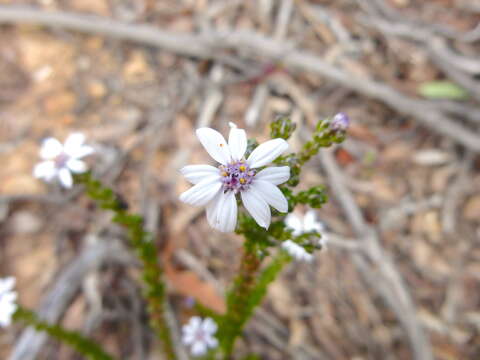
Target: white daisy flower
[296, 251]
[198, 335]
[7, 301]
[61, 160]
[216, 187]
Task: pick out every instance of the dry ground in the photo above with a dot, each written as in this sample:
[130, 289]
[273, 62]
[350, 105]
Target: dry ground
[404, 259]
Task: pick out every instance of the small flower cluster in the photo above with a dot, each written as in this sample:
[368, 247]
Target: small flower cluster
[61, 160]
[8, 299]
[302, 225]
[198, 335]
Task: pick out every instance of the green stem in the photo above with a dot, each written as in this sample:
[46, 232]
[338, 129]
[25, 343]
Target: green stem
[238, 298]
[90, 349]
[142, 242]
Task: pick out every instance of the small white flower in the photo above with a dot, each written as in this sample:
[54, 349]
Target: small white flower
[301, 225]
[7, 301]
[198, 335]
[308, 222]
[297, 251]
[61, 160]
[216, 188]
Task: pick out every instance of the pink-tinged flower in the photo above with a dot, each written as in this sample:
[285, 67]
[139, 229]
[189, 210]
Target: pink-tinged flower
[340, 122]
[198, 335]
[217, 187]
[8, 298]
[61, 160]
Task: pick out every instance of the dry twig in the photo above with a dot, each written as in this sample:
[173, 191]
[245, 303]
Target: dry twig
[210, 45]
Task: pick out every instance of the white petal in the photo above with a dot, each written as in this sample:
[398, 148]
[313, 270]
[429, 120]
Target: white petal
[237, 142]
[276, 175]
[310, 222]
[257, 207]
[296, 251]
[65, 177]
[73, 143]
[45, 170]
[77, 166]
[188, 338]
[9, 297]
[197, 173]
[211, 342]
[215, 144]
[271, 194]
[199, 348]
[82, 151]
[295, 223]
[51, 148]
[201, 193]
[222, 212]
[209, 326]
[7, 284]
[267, 152]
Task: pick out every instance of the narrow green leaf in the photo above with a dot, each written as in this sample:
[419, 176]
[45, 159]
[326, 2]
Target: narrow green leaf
[442, 90]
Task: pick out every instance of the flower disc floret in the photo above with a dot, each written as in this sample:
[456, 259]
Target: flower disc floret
[236, 176]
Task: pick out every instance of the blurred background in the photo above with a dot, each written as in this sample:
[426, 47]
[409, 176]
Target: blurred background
[400, 277]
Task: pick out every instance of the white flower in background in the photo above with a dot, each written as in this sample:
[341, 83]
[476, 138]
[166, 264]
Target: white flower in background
[198, 335]
[7, 301]
[296, 251]
[61, 160]
[216, 187]
[306, 223]
[301, 225]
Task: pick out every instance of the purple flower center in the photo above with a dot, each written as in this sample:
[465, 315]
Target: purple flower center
[236, 176]
[61, 160]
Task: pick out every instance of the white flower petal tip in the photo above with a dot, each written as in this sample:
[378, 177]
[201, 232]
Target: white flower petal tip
[198, 335]
[296, 251]
[63, 160]
[216, 188]
[8, 299]
[215, 145]
[237, 142]
[267, 152]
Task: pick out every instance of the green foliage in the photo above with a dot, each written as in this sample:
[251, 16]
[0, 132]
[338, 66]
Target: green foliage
[323, 136]
[251, 357]
[90, 349]
[314, 197]
[267, 276]
[282, 127]
[142, 242]
[442, 90]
